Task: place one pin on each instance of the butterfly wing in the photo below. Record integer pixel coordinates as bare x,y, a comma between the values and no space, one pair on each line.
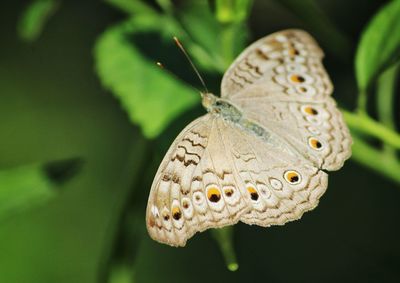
280,83
285,62
187,195
281,184
216,174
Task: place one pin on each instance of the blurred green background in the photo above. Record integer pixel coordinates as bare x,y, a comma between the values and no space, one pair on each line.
86,117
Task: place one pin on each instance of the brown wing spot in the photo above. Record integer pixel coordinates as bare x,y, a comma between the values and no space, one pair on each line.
185,204
303,89
175,179
166,216
176,213
152,222
228,192
213,194
253,193
262,54
297,79
166,178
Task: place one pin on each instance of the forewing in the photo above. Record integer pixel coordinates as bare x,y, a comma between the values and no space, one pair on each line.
189,191
286,62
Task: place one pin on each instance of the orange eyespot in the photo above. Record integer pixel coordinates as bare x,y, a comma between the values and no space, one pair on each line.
293,52
297,79
311,111
315,144
292,177
176,213
228,192
213,194
253,193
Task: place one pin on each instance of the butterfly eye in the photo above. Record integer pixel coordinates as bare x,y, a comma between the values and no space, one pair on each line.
315,144
176,213
292,177
253,193
213,194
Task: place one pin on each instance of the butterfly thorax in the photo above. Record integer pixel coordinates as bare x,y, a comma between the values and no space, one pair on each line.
221,107
231,113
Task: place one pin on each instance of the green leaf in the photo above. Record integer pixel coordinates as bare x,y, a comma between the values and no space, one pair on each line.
30,185
220,42
379,46
152,97
34,18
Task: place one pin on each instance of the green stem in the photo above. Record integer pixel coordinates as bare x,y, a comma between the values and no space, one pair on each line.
385,100
136,157
232,15
362,101
227,39
368,126
374,159
224,238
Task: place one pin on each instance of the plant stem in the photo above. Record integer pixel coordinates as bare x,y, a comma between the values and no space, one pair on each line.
224,238
385,100
227,40
372,158
366,125
362,103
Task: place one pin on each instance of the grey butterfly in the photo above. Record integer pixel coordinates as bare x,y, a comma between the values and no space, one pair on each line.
260,153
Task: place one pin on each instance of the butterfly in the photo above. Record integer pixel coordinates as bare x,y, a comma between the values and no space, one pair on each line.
261,153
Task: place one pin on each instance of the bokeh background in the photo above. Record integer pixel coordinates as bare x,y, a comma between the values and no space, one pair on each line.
83,129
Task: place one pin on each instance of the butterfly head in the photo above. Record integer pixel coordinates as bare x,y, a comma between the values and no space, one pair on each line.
208,100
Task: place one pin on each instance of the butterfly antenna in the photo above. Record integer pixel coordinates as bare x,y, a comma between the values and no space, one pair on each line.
179,44
161,65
